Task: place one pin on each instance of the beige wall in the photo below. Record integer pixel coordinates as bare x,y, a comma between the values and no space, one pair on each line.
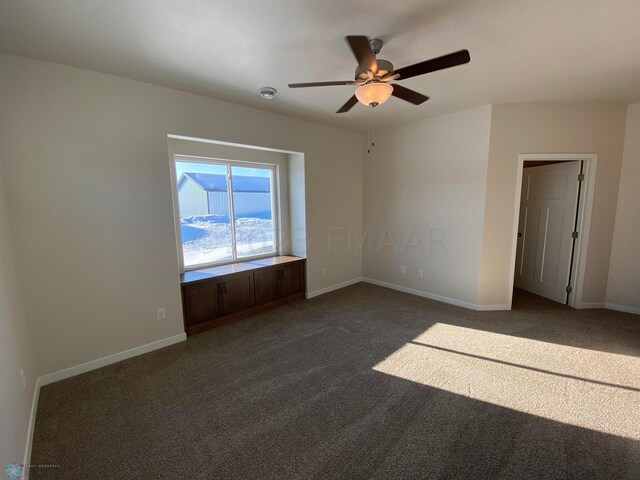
549,128
424,190
90,200
15,347
87,182
623,289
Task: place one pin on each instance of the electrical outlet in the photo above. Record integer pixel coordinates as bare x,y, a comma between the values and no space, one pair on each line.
23,379
160,314
420,273
323,271
403,269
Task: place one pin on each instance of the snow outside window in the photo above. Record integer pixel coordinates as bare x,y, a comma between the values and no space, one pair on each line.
227,211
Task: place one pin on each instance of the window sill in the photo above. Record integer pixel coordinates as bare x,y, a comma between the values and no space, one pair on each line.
208,273
203,266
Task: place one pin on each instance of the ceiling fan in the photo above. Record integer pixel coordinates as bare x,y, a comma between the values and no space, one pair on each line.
373,76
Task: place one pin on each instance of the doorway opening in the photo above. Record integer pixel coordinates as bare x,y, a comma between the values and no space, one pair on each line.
554,198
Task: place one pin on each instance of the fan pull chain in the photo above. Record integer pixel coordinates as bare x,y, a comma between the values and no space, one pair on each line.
369,135
373,129
371,132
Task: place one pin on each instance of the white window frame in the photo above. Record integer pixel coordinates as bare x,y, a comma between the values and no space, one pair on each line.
275,217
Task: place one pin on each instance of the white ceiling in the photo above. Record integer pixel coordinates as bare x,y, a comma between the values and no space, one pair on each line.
521,50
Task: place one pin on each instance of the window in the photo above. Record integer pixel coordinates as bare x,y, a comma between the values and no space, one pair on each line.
226,209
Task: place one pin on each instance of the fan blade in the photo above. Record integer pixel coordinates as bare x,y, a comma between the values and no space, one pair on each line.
322,84
362,50
433,65
408,95
347,106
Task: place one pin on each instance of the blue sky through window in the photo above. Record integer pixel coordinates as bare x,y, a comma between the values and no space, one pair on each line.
194,167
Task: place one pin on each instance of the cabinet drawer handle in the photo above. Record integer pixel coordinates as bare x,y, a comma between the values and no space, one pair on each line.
224,286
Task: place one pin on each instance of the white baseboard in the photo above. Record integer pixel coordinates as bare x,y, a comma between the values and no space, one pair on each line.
31,427
333,287
83,368
433,296
622,308
590,305
492,308
108,360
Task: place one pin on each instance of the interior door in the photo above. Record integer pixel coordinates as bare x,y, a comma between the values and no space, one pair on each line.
548,208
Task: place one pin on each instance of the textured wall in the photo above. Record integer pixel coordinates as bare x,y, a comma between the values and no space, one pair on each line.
15,346
423,204
623,289
91,205
549,128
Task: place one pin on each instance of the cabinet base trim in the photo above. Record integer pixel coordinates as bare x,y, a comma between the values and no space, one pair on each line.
218,322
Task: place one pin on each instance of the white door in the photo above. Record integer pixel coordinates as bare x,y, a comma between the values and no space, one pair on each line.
547,219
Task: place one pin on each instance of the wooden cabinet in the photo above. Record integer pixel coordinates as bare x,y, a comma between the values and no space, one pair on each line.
275,283
266,285
201,302
237,292
218,295
292,279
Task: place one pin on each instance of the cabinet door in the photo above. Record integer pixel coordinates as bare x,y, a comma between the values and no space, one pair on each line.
266,285
237,292
291,279
201,302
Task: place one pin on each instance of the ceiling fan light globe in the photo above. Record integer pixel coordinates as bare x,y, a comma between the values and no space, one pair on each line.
374,94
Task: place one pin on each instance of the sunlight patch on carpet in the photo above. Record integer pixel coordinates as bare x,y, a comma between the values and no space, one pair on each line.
581,387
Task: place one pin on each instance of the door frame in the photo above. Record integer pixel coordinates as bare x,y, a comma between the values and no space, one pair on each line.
585,208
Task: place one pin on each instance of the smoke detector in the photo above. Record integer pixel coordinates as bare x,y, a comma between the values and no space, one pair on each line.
267,92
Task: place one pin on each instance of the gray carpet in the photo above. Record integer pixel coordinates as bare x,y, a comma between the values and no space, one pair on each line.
364,382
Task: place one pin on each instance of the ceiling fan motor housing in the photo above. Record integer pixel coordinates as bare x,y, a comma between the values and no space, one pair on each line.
384,67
